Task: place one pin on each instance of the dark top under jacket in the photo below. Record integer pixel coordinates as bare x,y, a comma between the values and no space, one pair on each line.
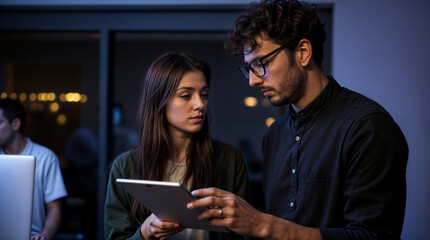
338,165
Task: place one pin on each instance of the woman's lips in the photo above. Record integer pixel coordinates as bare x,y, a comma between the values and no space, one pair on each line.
197,119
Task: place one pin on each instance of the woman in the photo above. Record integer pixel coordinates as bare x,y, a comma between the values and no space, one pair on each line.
174,145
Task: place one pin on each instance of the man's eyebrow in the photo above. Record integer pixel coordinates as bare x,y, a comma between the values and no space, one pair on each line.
255,58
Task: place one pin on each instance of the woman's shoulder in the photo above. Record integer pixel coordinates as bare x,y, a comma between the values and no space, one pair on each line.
124,161
222,148
219,145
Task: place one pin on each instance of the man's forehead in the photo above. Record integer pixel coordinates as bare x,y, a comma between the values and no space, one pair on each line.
249,46
263,47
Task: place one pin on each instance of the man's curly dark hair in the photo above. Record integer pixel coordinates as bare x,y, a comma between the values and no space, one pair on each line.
285,22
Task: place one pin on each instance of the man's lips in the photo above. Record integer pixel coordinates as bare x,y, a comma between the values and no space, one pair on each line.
265,92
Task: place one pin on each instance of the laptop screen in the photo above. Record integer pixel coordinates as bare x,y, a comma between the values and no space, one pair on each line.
16,191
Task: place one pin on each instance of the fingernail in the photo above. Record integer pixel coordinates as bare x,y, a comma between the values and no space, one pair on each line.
189,205
194,192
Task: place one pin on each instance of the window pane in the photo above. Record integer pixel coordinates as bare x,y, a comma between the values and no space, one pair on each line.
55,76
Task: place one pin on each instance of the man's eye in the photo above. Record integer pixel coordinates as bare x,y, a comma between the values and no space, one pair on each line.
266,62
257,64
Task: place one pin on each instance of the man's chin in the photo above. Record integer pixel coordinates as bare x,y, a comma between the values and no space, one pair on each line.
278,101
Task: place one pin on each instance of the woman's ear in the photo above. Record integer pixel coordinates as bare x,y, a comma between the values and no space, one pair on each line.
305,52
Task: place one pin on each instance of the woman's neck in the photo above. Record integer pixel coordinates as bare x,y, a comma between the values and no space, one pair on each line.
179,148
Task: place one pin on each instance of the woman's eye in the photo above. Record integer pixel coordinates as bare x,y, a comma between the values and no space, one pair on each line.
186,97
204,96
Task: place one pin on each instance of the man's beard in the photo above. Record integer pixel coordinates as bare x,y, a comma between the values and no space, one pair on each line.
292,88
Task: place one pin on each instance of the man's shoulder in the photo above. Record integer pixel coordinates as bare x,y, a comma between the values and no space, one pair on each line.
358,104
342,100
38,150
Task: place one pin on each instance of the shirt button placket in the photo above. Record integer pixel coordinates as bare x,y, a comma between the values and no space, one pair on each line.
293,172
293,178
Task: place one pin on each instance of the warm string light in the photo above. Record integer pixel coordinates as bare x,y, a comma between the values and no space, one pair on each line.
253,102
61,119
46,97
37,101
250,101
74,97
269,121
54,107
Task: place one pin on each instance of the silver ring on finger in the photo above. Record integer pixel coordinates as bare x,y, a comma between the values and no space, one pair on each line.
220,213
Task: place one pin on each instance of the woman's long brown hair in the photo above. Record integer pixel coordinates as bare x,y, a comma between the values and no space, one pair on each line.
154,148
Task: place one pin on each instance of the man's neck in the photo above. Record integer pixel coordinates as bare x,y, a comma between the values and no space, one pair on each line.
16,146
315,84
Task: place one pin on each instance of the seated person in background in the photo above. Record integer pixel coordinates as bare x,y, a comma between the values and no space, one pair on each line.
48,186
174,145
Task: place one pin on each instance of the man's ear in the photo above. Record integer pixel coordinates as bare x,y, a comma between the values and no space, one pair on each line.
305,52
16,124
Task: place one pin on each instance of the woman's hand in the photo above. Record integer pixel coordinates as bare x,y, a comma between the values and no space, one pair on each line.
154,227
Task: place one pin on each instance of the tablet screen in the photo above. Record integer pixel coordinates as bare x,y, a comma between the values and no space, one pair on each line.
168,201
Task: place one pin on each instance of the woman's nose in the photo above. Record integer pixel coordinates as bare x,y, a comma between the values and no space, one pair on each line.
198,103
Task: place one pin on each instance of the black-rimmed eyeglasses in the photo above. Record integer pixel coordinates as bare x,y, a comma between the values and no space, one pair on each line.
257,65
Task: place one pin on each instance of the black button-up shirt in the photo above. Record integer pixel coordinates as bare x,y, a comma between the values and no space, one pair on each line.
338,165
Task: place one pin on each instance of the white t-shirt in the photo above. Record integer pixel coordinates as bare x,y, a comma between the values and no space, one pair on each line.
48,184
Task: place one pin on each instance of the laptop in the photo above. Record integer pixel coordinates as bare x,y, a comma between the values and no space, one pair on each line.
16,191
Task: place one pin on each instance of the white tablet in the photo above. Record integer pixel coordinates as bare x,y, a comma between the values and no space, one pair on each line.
168,201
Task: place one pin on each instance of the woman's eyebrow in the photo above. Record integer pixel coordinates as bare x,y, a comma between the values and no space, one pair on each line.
191,88
185,88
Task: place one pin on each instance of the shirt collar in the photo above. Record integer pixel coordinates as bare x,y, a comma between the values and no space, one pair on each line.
319,103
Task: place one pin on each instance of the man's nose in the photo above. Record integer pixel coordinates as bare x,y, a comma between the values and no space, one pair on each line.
254,80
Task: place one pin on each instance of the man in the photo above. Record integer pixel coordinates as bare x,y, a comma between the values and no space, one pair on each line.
49,187
334,164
